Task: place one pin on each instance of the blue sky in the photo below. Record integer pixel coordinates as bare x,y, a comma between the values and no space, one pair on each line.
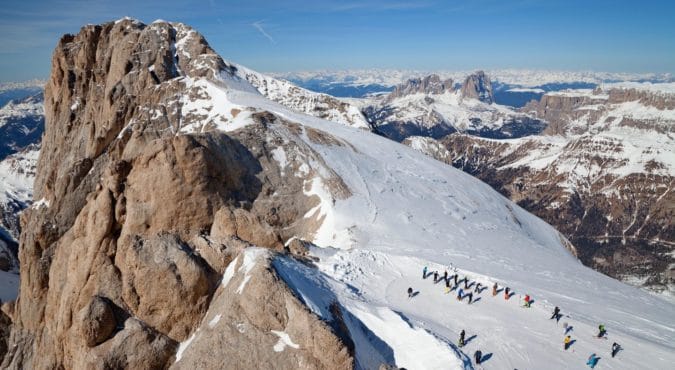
601,35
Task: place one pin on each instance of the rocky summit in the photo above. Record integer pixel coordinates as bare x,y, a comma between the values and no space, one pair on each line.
110,276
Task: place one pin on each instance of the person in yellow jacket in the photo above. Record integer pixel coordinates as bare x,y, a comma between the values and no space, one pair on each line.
568,342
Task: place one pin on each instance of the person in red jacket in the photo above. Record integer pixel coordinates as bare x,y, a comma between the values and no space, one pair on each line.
527,300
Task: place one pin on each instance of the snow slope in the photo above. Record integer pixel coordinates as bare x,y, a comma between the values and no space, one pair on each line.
407,211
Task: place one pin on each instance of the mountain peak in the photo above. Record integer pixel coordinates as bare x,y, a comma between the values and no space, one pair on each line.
478,86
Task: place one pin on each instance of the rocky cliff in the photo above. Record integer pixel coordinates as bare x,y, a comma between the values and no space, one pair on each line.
123,254
430,84
478,86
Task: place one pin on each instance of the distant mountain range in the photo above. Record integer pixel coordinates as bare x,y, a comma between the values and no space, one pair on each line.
511,87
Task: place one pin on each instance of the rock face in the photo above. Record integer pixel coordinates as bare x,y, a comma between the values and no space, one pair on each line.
604,177
122,255
431,84
478,86
255,321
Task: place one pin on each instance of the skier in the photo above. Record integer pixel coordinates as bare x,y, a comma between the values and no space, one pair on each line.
601,331
615,349
478,356
556,312
466,282
435,277
567,341
470,295
447,286
461,338
410,292
506,292
424,272
445,275
494,290
527,301
592,360
460,294
456,276
478,286
567,328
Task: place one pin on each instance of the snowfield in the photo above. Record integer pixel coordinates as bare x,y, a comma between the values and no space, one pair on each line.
408,211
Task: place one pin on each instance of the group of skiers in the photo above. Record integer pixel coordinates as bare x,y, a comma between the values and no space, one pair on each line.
527,302
568,341
462,292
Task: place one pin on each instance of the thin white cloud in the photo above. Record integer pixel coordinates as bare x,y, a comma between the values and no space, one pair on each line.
259,26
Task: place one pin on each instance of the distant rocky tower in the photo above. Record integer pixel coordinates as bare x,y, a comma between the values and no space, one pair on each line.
124,256
478,86
430,84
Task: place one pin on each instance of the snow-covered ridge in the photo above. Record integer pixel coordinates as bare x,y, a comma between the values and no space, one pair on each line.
658,88
305,101
32,106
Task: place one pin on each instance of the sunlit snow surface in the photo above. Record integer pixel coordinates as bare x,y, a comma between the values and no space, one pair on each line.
408,211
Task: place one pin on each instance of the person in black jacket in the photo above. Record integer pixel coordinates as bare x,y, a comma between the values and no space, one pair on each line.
461,338
556,312
615,349
478,356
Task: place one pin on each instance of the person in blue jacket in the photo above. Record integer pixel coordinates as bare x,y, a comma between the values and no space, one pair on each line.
424,272
460,294
592,360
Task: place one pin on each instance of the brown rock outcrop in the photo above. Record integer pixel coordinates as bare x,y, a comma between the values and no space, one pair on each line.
255,322
123,262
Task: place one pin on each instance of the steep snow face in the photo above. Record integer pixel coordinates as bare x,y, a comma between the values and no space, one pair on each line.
305,101
406,211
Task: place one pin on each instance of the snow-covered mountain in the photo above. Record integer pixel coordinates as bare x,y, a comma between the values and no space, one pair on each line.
302,100
21,127
170,251
440,109
21,124
602,173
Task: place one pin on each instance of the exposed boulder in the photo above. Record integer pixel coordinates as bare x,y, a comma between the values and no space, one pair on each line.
97,321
